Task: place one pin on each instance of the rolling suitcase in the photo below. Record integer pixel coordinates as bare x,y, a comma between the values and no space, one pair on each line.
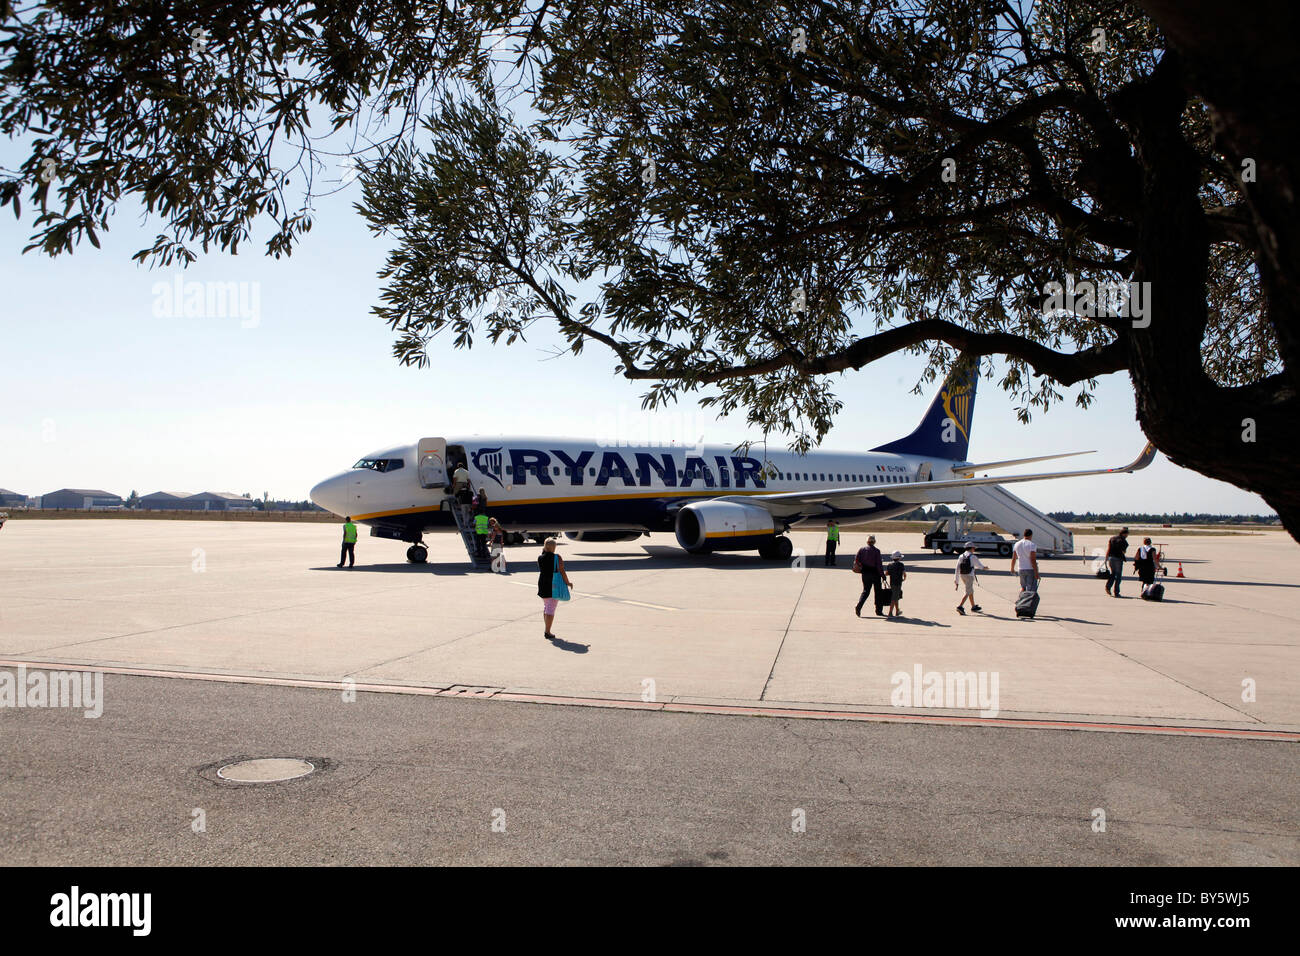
1027,604
1153,592
884,598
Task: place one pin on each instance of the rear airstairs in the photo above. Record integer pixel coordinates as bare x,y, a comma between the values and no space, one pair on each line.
1013,515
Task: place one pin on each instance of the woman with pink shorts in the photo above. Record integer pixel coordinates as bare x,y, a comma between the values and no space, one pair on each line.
548,563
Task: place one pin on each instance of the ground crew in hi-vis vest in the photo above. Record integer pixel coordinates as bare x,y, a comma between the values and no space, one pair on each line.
480,534
349,552
832,542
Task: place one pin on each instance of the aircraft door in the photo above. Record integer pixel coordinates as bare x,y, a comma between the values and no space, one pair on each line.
431,460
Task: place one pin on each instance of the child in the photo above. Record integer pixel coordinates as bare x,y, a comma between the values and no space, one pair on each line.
964,576
897,575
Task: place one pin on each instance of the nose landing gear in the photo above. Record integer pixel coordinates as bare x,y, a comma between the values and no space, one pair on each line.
417,554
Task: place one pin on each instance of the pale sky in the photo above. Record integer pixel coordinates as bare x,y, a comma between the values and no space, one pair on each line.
102,389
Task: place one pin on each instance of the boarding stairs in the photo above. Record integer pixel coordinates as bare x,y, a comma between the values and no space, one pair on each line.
1013,515
464,516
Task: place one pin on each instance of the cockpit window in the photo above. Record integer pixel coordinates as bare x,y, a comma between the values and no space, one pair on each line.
380,464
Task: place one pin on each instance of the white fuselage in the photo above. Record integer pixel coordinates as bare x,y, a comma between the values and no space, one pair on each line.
568,484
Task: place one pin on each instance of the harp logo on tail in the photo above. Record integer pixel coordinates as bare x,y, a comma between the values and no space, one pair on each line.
956,405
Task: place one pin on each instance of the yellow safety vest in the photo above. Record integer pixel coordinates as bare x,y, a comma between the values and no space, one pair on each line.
833,533
480,524
349,532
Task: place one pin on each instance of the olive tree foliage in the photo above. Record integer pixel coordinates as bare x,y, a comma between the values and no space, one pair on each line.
741,200
767,193
216,118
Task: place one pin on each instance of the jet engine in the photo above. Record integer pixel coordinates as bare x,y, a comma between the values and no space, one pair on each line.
725,526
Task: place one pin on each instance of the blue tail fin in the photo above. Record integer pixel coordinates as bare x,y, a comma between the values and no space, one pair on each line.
944,432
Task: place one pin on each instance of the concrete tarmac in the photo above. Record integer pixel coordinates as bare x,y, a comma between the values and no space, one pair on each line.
1221,653
426,780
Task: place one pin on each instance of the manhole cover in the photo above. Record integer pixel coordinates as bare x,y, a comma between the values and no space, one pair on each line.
265,770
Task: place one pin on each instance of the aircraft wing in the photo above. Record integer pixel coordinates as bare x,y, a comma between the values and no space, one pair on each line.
985,465
920,492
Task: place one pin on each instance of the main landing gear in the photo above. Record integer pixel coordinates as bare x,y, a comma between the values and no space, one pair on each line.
776,549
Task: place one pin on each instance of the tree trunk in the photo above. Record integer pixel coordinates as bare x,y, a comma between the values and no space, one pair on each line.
1243,435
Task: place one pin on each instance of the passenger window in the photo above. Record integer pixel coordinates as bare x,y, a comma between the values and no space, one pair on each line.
591,472
555,470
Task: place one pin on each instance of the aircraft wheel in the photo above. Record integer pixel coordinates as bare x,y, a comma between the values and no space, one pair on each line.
784,548
417,554
767,550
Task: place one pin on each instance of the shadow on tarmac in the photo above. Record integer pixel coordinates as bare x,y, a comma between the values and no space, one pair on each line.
916,621
571,647
405,568
658,557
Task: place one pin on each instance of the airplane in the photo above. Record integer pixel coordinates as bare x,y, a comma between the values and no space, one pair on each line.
712,497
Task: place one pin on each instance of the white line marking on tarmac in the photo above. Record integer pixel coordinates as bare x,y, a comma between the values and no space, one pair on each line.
606,597
755,708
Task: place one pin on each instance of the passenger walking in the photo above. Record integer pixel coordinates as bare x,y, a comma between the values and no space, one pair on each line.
1115,549
897,575
497,546
1024,561
964,577
832,542
1146,562
869,565
349,552
460,483
550,568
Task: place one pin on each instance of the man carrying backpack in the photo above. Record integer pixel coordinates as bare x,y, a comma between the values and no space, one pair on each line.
964,576
1146,562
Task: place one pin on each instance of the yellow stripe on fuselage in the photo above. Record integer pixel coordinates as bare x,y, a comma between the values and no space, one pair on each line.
508,503
735,534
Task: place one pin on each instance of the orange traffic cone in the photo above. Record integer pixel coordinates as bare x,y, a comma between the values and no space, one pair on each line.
1180,571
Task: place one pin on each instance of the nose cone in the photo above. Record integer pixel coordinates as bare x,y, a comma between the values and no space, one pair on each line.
331,494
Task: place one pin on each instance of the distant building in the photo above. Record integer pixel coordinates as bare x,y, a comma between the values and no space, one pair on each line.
81,498
163,500
216,501
11,499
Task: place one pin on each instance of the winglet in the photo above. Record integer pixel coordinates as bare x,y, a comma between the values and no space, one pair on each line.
1142,460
